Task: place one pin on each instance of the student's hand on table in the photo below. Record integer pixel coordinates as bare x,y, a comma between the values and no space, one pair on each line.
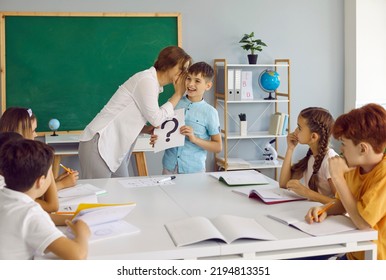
61,176
188,131
297,187
66,180
292,140
312,215
79,228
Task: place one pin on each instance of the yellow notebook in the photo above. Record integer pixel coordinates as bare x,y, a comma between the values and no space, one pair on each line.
105,220
84,206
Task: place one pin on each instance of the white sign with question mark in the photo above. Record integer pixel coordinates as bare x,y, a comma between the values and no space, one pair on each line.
169,135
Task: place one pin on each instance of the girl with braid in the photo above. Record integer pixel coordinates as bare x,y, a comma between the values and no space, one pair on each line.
310,177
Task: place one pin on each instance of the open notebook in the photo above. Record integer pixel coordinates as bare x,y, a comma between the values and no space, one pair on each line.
270,196
331,225
105,220
240,177
70,198
226,228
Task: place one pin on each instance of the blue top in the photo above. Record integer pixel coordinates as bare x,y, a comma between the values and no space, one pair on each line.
203,118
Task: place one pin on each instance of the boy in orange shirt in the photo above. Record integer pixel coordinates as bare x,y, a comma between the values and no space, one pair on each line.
360,175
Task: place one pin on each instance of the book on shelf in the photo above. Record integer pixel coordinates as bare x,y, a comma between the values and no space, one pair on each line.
270,196
240,177
278,123
285,124
104,220
274,124
226,228
331,225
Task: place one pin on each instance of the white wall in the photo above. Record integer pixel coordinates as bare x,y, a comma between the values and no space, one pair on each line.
310,33
365,45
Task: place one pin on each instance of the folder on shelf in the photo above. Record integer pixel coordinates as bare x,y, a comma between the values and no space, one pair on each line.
231,85
237,84
246,86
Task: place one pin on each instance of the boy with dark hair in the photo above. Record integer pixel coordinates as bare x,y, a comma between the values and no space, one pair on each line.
4,138
26,230
360,175
202,126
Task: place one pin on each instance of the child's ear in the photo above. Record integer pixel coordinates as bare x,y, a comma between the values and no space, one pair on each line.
209,85
40,181
364,148
314,137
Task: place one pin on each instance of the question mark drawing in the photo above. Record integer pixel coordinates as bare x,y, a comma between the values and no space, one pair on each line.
175,121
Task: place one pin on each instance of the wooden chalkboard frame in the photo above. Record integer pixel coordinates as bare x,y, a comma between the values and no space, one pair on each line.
42,127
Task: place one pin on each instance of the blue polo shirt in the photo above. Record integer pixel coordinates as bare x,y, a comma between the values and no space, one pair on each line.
203,118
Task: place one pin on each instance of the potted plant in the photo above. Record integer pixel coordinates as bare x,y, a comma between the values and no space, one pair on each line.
249,43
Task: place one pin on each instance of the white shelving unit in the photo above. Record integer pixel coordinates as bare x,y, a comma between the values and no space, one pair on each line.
258,120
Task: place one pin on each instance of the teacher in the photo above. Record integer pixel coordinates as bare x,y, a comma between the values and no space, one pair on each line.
107,141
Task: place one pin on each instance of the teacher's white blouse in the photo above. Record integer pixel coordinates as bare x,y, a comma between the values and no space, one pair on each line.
121,120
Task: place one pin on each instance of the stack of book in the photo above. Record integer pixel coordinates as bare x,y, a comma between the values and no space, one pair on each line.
278,124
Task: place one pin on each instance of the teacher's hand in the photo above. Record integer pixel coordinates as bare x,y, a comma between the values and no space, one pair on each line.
179,84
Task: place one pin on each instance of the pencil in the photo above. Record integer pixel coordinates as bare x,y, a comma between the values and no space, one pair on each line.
66,168
326,207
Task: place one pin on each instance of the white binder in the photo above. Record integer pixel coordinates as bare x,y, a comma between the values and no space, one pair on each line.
231,87
237,84
246,85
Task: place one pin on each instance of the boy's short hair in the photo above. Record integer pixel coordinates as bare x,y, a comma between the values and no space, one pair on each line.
22,162
365,124
9,136
202,68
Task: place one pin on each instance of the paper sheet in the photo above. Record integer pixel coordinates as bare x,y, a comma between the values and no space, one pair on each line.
168,133
80,190
145,182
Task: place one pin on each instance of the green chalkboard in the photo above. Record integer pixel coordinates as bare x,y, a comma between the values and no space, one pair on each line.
67,67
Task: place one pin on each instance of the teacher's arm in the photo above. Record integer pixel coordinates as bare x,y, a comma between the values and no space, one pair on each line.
146,97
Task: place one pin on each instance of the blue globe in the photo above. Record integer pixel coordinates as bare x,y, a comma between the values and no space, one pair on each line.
54,124
269,81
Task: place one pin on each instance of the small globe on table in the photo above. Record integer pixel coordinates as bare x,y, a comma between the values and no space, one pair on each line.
54,125
269,81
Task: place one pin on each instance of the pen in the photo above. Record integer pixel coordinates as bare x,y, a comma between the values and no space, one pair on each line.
166,179
66,168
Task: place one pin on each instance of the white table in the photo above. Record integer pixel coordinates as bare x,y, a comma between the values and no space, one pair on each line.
202,195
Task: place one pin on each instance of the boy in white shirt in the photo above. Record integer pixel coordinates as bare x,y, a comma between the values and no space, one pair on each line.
26,230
